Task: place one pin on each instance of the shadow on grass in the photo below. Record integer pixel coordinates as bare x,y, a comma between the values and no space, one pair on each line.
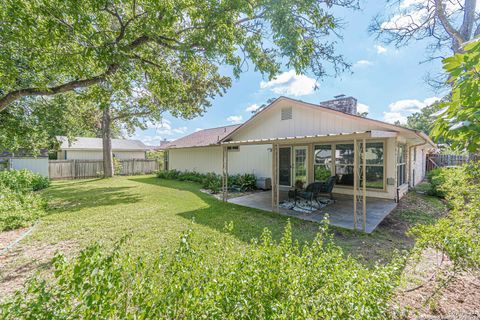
70,197
248,223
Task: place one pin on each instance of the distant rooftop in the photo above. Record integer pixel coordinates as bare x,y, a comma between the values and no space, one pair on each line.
82,143
202,138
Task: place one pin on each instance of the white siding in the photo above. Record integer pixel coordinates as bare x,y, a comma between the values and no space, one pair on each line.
305,121
37,165
417,169
256,159
98,155
203,160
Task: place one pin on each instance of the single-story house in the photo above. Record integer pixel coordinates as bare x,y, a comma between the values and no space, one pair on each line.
81,148
291,140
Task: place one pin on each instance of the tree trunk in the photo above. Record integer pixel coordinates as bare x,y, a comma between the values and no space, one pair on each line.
107,142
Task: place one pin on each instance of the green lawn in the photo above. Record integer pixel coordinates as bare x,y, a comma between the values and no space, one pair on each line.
155,212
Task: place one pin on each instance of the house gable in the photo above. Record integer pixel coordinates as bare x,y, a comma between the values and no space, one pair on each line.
292,118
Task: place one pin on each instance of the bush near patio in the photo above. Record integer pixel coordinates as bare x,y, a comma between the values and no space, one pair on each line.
212,181
270,280
458,234
20,205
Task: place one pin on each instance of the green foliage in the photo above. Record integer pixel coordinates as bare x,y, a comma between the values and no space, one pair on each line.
422,120
23,180
117,166
270,280
19,205
437,178
322,173
458,234
154,56
459,120
212,181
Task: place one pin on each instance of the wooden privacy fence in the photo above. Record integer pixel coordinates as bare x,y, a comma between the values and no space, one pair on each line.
79,169
448,160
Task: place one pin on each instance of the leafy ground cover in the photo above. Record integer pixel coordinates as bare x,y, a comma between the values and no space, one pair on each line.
155,212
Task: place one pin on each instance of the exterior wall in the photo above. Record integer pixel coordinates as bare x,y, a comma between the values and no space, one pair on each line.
255,159
305,121
417,164
98,155
125,155
202,160
37,165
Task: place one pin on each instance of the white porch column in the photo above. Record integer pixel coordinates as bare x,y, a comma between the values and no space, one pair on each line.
355,182
225,173
364,191
274,177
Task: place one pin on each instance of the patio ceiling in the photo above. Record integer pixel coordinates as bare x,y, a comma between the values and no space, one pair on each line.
314,138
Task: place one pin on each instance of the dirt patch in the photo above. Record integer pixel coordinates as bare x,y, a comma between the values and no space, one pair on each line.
23,261
432,291
7,237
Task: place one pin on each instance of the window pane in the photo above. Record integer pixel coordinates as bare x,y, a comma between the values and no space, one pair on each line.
344,175
401,153
300,164
322,173
344,154
374,153
374,177
323,155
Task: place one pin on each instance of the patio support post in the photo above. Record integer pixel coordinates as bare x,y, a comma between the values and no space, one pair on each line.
355,182
364,185
274,176
225,174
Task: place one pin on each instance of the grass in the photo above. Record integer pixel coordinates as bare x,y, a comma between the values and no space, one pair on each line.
155,212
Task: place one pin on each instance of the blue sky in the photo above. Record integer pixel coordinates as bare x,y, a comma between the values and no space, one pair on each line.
387,81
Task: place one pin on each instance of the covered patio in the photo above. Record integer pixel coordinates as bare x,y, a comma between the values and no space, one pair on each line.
339,213
354,211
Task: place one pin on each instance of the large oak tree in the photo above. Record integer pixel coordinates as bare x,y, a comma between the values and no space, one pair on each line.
168,52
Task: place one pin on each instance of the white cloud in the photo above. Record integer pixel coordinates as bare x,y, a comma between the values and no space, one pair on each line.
198,129
151,140
235,119
399,110
381,49
291,83
363,63
361,108
252,108
180,130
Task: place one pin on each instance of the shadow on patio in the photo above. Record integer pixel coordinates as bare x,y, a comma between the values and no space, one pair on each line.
340,213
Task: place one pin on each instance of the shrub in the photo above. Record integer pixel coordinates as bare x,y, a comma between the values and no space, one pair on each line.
458,234
211,181
270,280
19,205
437,178
19,209
23,180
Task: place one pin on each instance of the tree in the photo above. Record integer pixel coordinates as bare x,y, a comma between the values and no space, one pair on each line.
448,24
422,120
168,51
459,118
34,123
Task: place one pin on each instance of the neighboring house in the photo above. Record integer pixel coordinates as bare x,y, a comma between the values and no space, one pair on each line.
92,149
310,142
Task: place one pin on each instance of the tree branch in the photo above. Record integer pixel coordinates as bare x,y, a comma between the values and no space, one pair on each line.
468,19
457,37
69,86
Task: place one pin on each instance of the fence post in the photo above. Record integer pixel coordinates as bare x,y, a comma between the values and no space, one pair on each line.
74,168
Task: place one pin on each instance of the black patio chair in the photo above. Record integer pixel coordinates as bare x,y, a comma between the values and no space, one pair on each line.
327,186
311,192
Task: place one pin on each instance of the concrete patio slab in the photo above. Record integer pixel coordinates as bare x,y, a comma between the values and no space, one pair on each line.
340,213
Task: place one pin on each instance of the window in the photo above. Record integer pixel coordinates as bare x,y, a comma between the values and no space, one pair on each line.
374,168
322,164
344,164
401,165
287,113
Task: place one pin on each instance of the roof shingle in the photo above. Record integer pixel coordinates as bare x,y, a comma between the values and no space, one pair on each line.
202,138
96,144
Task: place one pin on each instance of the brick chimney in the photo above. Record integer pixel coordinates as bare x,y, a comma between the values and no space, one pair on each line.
342,103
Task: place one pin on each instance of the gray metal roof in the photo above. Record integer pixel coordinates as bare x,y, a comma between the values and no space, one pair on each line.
82,143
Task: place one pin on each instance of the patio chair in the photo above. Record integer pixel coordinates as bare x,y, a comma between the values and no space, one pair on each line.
311,192
327,186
